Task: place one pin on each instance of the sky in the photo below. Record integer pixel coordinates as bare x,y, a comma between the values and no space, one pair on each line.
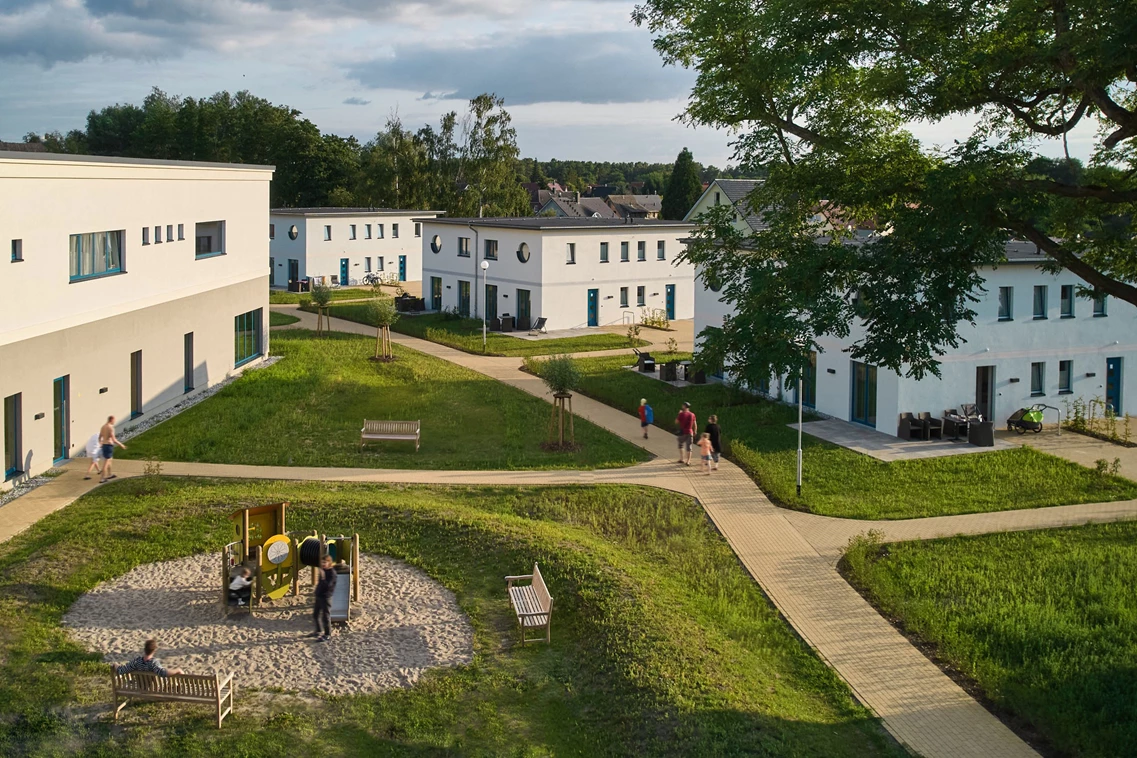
579,79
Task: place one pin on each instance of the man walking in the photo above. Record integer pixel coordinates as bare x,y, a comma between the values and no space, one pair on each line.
147,662
325,589
108,440
687,426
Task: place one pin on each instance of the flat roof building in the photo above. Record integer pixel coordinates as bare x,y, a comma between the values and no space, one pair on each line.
574,272
127,286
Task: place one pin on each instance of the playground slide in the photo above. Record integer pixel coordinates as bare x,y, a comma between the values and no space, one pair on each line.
341,599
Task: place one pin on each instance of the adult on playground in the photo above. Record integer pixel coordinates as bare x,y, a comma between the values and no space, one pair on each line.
647,416
325,589
108,440
687,425
147,662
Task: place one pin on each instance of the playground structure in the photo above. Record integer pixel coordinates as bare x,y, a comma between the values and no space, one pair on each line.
275,557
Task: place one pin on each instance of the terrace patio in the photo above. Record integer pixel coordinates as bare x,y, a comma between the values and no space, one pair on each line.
885,447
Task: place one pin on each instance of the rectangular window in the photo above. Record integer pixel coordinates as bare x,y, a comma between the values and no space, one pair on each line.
367,231
1037,379
17,251
327,232
1040,292
378,231
623,252
136,384
623,297
210,238
660,251
367,265
169,232
351,232
1099,305
246,337
463,247
1006,303
187,358
13,456
490,250
763,383
603,252
181,232
157,235
1065,377
379,263
718,201
96,254
570,252
641,296
641,251
1067,301
145,235
394,231
272,231
418,229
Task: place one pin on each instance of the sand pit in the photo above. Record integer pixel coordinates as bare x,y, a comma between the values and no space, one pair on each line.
406,623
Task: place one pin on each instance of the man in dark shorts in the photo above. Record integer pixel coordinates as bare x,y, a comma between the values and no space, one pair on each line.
325,589
687,426
107,440
147,662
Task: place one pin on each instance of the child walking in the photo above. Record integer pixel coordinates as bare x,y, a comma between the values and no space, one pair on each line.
706,448
715,434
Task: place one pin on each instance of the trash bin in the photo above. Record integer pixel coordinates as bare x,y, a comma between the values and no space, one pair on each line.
981,433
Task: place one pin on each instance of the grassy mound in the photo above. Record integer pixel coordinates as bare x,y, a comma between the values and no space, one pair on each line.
662,645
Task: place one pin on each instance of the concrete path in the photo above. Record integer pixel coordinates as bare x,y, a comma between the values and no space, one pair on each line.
1076,447
790,554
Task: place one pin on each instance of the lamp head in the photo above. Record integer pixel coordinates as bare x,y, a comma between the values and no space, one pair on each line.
485,265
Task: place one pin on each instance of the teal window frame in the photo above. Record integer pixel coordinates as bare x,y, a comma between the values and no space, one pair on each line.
85,253
247,337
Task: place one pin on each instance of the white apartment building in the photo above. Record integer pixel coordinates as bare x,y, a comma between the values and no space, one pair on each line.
574,272
345,244
1033,341
127,285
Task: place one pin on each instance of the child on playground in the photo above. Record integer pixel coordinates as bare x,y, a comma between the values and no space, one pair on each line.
241,586
706,449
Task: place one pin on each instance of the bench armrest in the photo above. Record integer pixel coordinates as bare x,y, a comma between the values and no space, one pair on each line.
512,579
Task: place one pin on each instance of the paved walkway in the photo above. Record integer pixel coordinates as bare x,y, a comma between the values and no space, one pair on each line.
1076,447
790,554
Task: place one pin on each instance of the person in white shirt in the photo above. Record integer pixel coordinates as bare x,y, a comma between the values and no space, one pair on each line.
241,586
95,453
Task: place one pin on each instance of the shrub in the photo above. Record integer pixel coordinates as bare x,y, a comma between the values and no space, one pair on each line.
655,317
321,294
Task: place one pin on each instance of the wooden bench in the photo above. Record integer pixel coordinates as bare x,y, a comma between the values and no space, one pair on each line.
178,688
389,430
532,603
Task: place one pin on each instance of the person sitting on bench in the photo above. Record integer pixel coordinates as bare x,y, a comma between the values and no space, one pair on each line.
241,587
147,662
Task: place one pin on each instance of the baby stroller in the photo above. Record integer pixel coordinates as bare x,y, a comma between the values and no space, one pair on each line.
1025,419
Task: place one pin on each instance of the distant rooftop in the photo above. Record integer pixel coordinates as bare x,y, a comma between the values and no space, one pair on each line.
559,222
23,147
27,155
348,211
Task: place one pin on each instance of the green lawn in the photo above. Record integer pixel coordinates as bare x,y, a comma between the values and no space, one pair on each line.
839,482
280,297
307,410
275,318
1045,622
662,644
466,334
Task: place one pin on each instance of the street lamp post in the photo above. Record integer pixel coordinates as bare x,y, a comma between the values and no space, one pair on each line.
485,281
799,415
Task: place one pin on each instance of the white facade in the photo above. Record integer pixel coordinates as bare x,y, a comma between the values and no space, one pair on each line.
565,277
127,285
329,242
1005,364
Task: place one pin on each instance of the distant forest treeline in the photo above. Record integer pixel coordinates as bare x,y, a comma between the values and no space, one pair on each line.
466,163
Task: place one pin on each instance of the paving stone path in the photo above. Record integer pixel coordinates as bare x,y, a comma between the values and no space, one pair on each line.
791,555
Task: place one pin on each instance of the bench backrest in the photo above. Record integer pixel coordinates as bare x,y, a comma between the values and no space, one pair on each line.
541,590
390,427
177,685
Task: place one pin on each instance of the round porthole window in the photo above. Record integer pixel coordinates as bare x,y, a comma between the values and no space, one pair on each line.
436,244
523,252
714,284
293,232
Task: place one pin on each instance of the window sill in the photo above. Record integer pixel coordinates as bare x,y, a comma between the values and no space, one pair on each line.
1038,394
247,360
1065,392
1040,318
1067,315
570,263
1100,315
10,475
89,277
603,261
202,256
17,260
463,255
134,416
1002,319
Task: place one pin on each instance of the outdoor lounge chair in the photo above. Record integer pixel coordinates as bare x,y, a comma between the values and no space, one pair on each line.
910,427
539,327
933,427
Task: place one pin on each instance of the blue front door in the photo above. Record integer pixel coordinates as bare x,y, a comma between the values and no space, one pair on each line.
1113,384
402,268
863,410
671,302
436,293
594,307
343,271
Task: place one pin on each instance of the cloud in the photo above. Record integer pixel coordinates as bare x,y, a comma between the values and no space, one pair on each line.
356,101
46,33
532,67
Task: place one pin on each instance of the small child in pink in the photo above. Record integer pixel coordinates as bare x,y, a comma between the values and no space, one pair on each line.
706,448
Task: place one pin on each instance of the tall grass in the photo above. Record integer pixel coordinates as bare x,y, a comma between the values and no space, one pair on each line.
1044,622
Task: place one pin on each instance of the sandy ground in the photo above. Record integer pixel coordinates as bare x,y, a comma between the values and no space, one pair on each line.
404,624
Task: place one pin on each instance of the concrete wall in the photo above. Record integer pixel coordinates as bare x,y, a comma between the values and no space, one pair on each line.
320,257
559,290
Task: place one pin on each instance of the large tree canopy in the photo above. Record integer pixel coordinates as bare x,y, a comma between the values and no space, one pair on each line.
819,93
